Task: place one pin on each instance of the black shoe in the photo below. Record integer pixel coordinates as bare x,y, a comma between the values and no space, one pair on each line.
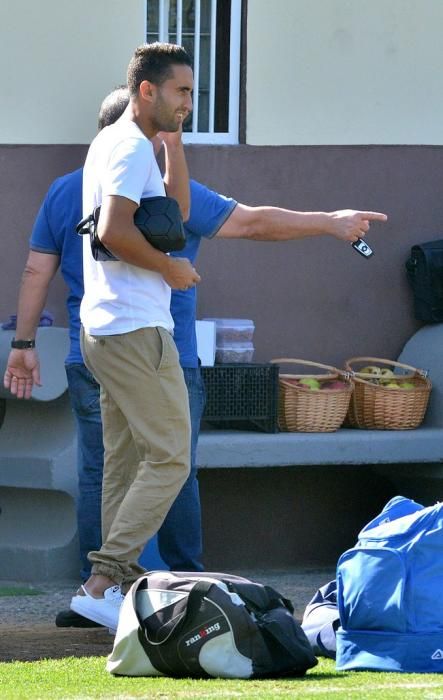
69,618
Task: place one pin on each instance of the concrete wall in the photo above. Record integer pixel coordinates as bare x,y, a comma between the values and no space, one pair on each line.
58,59
315,298
344,72
290,516
25,175
322,72
299,516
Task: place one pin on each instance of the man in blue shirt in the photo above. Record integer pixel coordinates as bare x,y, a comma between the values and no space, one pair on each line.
53,243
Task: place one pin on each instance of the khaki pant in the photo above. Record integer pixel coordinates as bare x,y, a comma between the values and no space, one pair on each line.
146,435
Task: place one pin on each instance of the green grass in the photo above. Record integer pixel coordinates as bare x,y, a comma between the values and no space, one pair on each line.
86,678
18,590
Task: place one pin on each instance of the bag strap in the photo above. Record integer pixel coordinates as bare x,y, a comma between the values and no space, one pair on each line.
82,227
195,596
274,599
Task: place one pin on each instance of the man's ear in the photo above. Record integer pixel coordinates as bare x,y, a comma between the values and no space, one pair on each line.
147,90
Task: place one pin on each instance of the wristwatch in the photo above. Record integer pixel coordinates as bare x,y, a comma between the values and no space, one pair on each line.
22,344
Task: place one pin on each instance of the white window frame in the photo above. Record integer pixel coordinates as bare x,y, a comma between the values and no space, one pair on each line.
210,137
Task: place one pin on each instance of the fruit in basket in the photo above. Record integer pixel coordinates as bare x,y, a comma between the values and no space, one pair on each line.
385,372
407,385
334,384
371,369
310,383
392,385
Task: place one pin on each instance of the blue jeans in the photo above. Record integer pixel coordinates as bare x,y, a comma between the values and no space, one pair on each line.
179,538
84,393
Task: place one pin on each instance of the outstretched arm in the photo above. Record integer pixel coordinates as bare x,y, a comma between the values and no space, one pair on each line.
23,366
275,224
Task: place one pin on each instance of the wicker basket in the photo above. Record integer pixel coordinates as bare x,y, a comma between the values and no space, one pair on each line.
304,410
377,407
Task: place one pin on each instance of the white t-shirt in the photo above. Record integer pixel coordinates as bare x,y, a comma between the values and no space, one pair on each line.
119,297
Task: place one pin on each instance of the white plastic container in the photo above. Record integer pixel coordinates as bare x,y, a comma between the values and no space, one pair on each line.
229,353
233,340
230,331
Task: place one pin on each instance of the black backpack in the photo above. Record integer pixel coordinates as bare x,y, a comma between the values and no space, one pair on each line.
424,270
201,624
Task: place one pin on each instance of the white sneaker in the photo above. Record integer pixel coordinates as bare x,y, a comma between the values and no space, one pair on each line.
104,610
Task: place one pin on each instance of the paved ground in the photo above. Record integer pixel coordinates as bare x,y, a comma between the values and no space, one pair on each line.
28,631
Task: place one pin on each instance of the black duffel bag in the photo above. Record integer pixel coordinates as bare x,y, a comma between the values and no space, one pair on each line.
157,218
202,624
424,270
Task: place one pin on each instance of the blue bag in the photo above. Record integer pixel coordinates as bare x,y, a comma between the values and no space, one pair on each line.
389,591
321,618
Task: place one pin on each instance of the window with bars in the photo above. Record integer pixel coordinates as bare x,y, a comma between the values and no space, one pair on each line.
210,31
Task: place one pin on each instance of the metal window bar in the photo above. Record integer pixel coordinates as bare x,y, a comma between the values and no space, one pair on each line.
212,66
234,67
234,77
179,21
196,66
163,20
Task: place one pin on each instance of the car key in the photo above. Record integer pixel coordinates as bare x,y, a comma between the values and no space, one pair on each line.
363,248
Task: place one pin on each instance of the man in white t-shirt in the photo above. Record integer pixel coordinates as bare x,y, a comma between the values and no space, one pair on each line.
126,328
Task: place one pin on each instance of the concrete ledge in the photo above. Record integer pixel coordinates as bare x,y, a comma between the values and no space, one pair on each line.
424,445
38,446
39,534
38,490
230,448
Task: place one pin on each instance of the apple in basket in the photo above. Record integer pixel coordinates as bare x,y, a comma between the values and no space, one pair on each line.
402,385
386,373
372,370
310,383
334,385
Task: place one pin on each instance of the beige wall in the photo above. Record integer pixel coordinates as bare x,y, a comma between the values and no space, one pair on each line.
344,72
318,71
58,58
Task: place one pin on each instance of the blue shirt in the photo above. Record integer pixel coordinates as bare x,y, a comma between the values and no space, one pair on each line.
209,211
54,233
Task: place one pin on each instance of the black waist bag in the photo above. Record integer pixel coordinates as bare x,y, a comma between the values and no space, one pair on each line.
207,625
424,270
157,218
